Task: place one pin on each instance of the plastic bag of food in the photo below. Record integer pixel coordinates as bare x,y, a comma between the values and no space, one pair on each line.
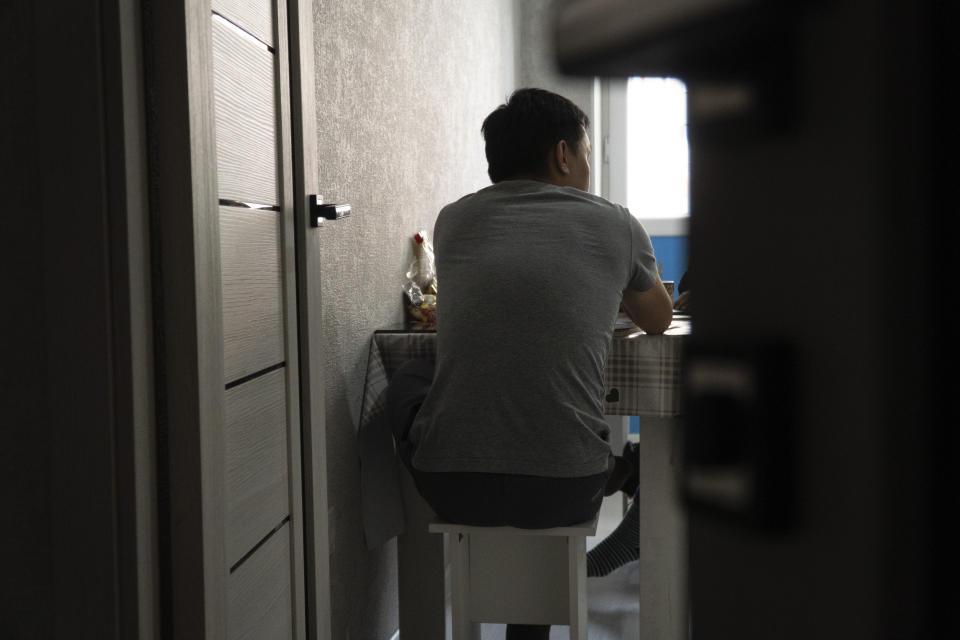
420,285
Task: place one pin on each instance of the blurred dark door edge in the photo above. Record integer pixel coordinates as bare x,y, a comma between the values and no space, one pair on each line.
819,224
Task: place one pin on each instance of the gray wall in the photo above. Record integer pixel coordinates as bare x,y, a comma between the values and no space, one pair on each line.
402,89
536,66
535,62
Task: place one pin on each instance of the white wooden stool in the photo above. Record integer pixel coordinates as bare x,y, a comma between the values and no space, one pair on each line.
517,576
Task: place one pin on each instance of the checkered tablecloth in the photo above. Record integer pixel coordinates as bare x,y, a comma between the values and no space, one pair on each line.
642,378
388,350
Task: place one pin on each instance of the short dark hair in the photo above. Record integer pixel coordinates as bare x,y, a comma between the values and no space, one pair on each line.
520,133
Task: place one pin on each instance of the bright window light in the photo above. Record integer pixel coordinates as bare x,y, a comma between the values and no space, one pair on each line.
658,162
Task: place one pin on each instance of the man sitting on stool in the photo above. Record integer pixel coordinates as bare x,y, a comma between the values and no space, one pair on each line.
508,429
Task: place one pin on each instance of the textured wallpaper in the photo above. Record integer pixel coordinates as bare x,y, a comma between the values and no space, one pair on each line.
402,88
534,57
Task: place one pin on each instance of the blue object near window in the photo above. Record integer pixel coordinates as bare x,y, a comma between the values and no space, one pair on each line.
671,251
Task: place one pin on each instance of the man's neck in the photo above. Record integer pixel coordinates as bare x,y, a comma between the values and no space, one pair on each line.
551,179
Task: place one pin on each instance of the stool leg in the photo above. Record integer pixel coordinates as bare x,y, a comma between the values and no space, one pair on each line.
578,587
463,628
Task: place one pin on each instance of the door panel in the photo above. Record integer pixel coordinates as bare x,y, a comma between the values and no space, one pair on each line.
263,509
258,593
219,115
252,291
256,462
244,87
253,16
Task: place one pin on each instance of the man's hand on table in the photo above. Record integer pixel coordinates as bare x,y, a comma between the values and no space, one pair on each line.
651,310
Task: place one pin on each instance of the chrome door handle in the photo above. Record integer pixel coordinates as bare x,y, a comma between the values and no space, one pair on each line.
320,211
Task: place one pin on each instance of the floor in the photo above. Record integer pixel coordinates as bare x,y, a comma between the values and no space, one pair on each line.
613,601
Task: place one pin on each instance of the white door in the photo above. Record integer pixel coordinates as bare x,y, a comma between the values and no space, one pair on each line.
226,217
262,463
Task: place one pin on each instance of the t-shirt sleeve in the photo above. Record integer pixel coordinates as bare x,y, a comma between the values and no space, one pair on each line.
643,269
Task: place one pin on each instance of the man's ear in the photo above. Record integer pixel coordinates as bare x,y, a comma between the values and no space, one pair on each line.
560,151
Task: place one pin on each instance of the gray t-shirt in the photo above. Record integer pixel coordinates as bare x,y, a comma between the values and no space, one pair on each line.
530,281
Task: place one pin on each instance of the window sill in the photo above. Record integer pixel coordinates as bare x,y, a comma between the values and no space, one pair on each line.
666,226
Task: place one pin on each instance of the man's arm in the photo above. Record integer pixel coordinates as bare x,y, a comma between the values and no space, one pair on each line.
651,310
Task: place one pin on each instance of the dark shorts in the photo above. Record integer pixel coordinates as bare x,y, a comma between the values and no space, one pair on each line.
487,499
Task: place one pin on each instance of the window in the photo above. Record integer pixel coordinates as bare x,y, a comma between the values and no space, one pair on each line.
646,154
658,164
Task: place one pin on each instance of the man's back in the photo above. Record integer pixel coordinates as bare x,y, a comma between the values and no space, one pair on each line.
531,276
509,428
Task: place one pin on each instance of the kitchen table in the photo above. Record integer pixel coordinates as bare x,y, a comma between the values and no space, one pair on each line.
642,378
